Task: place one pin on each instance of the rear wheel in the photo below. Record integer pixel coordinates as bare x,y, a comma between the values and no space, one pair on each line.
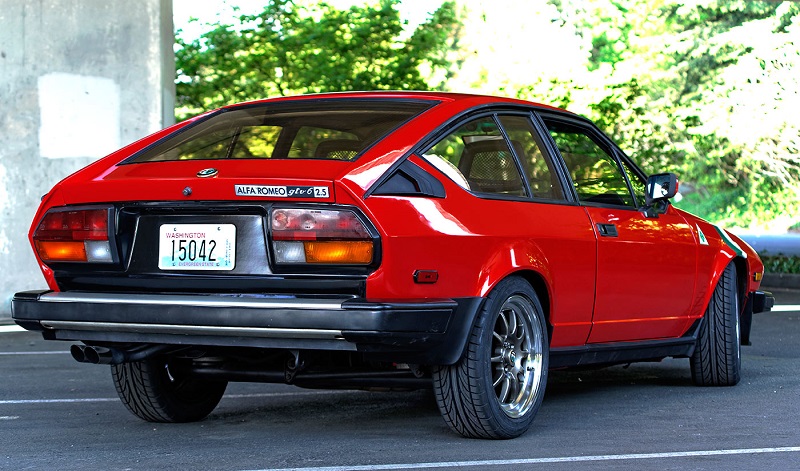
717,356
496,388
160,389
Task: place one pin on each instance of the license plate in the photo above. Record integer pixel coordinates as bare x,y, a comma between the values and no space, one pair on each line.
197,247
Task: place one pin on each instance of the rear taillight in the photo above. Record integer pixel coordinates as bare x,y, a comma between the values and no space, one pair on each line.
74,236
320,237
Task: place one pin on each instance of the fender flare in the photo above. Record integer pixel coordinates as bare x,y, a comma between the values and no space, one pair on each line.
520,258
728,251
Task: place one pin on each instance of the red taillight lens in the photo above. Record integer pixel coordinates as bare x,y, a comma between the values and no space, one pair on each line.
320,236
74,225
305,224
74,236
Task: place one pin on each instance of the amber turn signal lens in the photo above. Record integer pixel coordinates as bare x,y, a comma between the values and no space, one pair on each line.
61,251
334,251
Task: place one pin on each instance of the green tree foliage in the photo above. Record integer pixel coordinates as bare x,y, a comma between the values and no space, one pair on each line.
295,47
708,89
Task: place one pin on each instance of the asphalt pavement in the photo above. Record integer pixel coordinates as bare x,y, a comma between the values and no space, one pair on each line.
56,413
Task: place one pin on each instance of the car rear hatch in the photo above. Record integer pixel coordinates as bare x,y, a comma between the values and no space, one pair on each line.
203,226
224,247
212,180
240,201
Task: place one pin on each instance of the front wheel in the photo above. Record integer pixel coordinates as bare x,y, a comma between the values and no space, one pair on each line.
497,387
717,356
160,389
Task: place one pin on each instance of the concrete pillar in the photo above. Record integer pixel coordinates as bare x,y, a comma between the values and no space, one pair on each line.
78,79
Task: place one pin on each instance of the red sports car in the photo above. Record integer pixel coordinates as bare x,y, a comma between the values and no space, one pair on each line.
384,239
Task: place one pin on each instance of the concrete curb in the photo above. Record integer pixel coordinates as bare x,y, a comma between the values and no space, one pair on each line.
781,280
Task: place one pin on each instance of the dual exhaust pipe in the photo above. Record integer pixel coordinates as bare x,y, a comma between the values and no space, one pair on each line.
112,356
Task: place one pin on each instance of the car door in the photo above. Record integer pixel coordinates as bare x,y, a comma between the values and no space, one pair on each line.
646,264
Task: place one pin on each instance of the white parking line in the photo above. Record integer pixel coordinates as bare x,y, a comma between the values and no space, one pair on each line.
58,401
33,353
786,307
227,396
563,459
4,329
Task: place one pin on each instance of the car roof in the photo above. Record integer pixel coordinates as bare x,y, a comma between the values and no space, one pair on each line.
469,100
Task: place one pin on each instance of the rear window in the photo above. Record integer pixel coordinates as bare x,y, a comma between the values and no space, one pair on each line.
309,129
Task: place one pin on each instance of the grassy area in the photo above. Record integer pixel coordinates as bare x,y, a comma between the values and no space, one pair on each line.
781,264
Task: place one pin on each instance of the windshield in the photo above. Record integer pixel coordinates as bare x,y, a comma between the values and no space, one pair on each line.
332,129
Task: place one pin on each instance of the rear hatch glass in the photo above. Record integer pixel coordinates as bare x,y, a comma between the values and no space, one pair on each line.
329,129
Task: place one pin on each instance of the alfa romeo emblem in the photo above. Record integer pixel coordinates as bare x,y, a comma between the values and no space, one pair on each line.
207,172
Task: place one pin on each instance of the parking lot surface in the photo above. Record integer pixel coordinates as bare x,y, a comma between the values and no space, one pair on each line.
56,413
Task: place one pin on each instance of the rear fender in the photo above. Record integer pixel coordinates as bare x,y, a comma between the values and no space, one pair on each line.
510,257
521,258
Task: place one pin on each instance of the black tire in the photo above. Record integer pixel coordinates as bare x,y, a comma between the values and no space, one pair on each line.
160,389
717,356
496,388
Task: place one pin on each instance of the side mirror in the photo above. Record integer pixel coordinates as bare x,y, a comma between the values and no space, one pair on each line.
661,187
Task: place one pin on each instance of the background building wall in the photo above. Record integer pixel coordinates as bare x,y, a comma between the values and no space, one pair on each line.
78,79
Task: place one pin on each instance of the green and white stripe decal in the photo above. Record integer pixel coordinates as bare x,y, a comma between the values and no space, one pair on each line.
700,235
730,243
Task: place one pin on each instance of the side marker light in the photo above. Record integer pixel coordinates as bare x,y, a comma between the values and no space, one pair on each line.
426,276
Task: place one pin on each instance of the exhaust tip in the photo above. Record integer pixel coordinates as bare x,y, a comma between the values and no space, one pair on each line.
92,355
78,353
112,356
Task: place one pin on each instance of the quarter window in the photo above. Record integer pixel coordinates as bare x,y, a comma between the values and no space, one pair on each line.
477,157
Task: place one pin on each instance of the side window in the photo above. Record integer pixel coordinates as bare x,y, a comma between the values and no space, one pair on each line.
639,186
477,157
595,173
539,169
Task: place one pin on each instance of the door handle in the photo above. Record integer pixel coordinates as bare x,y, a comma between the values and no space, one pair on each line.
607,230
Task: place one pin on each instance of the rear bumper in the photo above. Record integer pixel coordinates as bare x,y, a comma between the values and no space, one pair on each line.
425,332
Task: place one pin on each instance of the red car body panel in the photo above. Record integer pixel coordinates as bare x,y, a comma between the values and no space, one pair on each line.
598,290
476,249
383,239
663,250
166,181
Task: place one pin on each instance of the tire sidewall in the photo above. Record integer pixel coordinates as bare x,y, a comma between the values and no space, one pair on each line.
717,358
157,389
509,426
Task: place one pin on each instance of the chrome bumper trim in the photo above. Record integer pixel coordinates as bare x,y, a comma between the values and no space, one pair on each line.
195,300
261,332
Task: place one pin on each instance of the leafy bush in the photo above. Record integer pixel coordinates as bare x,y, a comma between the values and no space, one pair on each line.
781,264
